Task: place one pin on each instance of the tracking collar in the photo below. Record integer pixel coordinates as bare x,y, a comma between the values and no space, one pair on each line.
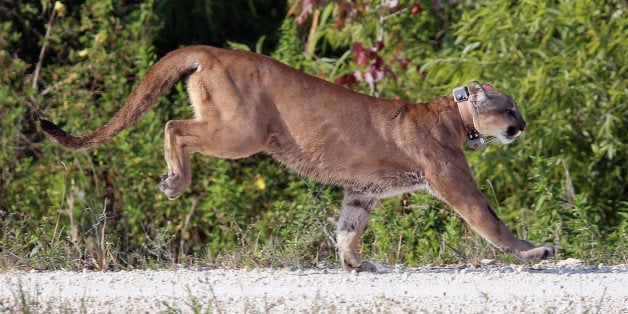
474,138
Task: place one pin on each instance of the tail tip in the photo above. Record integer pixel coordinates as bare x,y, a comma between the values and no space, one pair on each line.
56,134
50,127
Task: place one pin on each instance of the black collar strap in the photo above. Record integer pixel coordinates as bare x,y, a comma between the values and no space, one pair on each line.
474,138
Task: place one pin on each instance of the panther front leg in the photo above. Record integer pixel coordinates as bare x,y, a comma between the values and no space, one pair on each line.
356,210
461,192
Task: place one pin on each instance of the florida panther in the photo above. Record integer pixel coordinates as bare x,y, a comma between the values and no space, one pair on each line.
245,103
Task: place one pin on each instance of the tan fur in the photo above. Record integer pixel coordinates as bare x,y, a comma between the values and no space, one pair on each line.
245,103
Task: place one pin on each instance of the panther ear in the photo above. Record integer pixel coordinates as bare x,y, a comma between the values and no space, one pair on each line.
475,88
477,93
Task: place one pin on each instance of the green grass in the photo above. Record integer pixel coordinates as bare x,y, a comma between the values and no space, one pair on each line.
562,182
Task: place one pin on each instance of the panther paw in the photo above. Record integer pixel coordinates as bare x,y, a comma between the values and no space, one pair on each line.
172,185
540,252
361,267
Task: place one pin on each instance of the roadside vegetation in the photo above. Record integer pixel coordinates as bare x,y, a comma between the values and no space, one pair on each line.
75,62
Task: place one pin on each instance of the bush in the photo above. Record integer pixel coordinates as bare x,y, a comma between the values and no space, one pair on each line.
563,181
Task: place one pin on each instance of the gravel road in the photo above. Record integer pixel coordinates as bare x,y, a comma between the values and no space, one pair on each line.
550,287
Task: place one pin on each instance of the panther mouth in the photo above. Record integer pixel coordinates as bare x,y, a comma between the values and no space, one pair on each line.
510,134
506,137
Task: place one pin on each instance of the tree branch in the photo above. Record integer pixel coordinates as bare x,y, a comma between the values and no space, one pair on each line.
44,45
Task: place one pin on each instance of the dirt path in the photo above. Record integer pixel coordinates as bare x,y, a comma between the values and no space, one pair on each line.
552,287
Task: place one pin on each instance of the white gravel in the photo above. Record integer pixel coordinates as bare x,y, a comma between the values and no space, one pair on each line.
549,287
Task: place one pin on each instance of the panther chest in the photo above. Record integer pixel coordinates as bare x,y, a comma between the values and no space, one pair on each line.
392,185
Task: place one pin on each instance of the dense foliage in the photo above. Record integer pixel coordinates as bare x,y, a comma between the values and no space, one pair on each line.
562,182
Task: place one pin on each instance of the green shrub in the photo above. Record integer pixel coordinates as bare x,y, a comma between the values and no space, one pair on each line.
562,182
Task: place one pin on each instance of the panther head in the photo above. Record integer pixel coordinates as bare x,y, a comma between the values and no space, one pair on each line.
495,113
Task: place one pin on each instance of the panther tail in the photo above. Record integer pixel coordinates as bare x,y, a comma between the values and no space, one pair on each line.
165,73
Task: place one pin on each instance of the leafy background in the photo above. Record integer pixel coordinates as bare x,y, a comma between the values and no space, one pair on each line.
75,62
